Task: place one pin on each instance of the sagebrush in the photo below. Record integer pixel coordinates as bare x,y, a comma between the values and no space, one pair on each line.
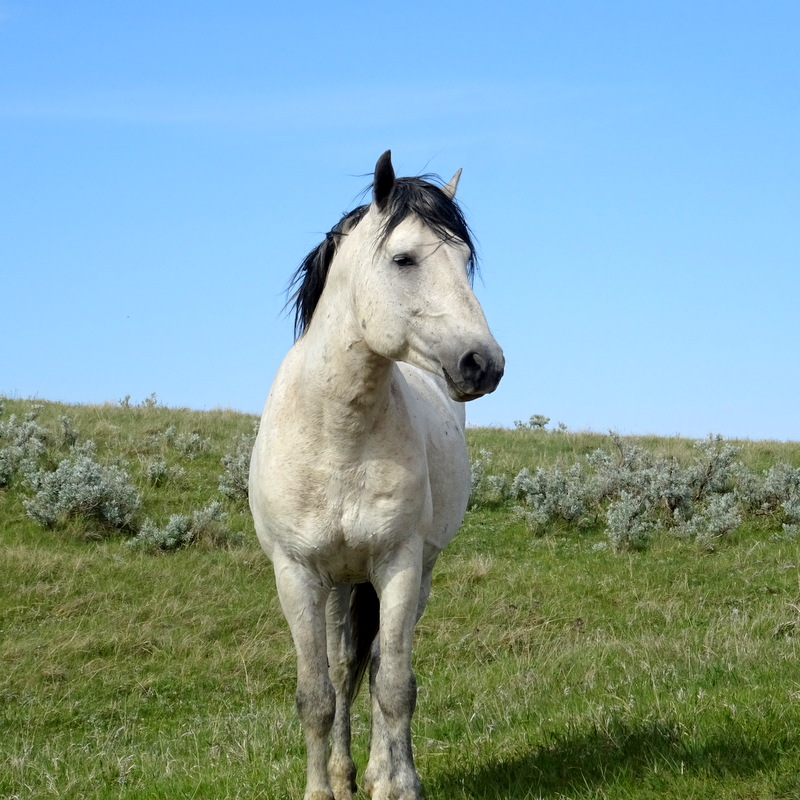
634,493
65,480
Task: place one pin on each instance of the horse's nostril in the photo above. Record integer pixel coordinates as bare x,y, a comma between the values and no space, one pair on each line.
479,371
472,365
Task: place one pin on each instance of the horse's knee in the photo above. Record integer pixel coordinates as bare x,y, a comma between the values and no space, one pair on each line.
395,689
316,705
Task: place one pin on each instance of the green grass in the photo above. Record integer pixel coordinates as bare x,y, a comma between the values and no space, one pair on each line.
583,673
549,667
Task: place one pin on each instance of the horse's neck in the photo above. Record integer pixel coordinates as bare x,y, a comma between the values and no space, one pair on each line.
347,384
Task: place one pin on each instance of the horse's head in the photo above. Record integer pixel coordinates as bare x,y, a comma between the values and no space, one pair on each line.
412,259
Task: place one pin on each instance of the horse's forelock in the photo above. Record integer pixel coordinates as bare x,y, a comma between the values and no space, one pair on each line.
429,202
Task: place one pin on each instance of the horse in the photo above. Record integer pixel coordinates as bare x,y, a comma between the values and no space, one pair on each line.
359,475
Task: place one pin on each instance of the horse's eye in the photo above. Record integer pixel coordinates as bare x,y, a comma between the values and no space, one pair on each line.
404,260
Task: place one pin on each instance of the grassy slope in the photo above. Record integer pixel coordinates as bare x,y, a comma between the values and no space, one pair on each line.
547,667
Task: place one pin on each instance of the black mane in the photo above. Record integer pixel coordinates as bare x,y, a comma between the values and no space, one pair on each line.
415,196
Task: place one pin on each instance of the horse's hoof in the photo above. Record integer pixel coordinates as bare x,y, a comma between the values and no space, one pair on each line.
342,775
344,791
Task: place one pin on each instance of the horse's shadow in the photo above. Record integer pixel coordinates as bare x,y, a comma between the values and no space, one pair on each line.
657,753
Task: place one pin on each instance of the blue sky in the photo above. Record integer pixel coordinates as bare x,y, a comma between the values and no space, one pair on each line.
631,172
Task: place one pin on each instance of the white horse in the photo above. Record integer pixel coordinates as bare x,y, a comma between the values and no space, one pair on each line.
359,475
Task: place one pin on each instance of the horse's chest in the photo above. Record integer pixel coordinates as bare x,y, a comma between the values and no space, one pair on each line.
376,500
352,516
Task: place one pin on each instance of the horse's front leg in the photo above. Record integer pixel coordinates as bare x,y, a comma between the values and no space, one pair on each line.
341,667
303,597
390,774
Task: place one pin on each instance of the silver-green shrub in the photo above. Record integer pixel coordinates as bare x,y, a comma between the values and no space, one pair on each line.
234,480
630,521
69,436
748,489
165,438
712,470
782,488
635,493
537,422
485,488
718,516
82,487
547,495
791,506
767,495
649,492
159,473
188,445
175,534
191,445
205,527
477,472
22,445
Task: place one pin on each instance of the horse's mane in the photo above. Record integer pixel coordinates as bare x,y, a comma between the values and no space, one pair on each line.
415,196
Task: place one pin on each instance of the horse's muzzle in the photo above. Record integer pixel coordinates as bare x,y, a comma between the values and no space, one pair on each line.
477,372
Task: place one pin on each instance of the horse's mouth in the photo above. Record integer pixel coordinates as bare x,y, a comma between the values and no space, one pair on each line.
457,394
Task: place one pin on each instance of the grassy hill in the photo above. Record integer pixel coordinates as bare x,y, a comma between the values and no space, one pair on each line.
553,661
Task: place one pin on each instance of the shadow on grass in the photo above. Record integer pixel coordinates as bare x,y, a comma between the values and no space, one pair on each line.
653,755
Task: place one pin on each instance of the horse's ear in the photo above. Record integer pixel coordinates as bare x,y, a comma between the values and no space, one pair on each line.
384,180
450,188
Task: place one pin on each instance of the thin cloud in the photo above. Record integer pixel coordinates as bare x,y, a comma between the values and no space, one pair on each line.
354,107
